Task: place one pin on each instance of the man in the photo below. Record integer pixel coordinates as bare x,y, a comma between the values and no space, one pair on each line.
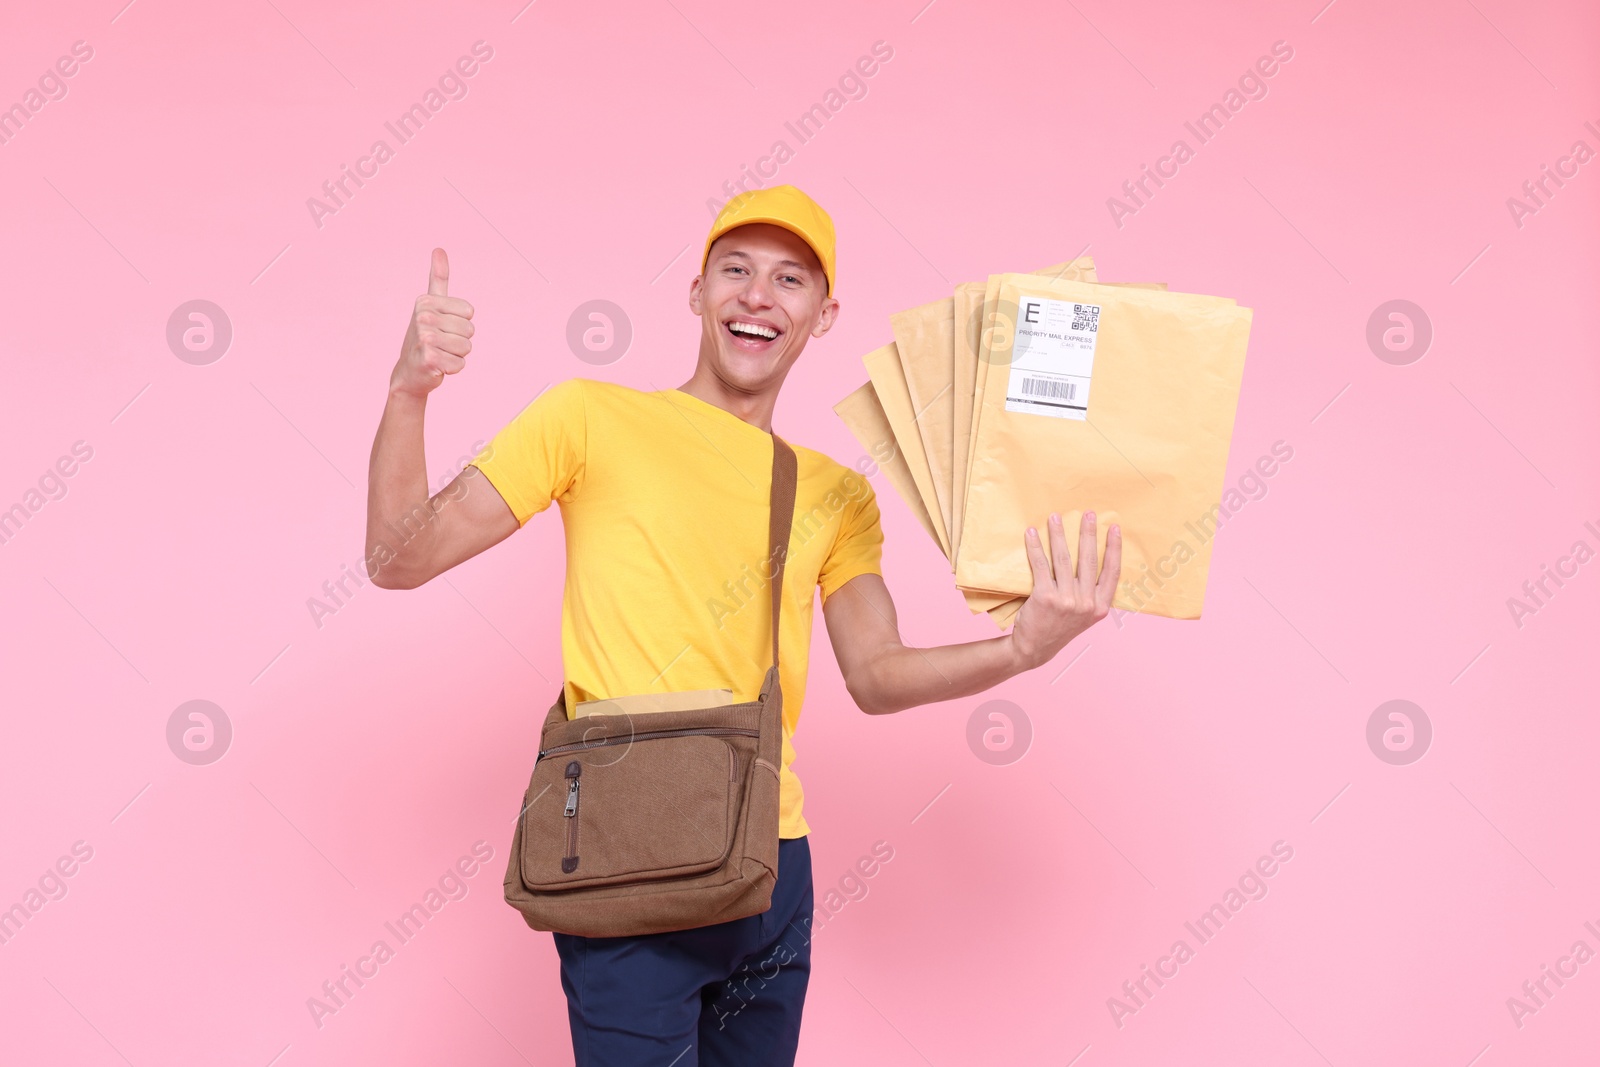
664,502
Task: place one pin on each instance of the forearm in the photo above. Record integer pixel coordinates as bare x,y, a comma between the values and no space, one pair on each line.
901,677
883,675
400,520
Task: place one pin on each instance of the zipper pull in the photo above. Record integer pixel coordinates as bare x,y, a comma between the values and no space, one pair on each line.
574,768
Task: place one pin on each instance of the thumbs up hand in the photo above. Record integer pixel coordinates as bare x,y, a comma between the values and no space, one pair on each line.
438,338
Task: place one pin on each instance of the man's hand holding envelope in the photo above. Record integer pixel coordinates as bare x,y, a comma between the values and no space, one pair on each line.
1066,599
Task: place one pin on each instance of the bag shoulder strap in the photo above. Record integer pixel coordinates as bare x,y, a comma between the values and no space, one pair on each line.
781,518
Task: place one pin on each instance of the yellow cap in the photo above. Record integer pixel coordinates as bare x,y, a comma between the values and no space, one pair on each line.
781,205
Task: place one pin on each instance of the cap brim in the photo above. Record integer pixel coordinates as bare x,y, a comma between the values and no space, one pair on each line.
771,221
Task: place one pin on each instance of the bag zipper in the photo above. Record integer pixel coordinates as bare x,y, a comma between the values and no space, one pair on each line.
569,862
648,735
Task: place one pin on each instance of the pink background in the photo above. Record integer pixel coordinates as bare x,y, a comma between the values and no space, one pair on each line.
368,754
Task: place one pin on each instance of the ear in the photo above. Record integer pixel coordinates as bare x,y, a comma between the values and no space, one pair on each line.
828,316
695,291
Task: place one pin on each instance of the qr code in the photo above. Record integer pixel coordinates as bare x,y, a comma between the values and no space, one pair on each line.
1086,317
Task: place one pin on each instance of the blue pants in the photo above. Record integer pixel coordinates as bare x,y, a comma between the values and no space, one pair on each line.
725,995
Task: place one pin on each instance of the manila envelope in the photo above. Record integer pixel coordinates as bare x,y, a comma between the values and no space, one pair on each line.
972,302
992,320
863,413
940,393
892,384
691,700
1111,398
925,338
889,383
982,600
967,304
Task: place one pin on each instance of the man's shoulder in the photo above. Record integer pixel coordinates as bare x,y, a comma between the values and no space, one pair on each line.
595,398
827,474
594,389
810,459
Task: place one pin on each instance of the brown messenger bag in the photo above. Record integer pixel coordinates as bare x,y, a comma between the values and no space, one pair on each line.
640,824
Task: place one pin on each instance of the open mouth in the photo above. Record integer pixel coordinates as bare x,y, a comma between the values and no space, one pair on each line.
752,336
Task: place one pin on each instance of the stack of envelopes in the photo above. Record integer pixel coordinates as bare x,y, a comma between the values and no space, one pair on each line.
983,404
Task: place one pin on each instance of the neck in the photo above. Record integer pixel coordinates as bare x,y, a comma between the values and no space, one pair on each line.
753,407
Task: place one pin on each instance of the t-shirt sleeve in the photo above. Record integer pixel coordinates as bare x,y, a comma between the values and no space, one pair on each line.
858,548
539,456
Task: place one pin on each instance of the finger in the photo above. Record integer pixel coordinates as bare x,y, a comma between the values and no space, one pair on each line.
453,343
445,305
1037,560
456,324
1088,556
1105,590
1060,558
439,274
448,363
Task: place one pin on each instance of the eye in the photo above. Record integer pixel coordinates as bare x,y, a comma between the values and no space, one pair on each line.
794,279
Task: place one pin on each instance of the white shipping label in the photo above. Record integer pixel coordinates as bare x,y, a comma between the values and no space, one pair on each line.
1052,358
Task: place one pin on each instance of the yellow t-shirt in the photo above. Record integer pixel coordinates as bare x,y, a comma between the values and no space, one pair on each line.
664,502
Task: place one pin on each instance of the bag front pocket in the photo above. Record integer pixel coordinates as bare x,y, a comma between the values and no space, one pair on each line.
634,809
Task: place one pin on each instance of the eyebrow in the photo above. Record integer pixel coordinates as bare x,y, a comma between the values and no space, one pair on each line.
781,262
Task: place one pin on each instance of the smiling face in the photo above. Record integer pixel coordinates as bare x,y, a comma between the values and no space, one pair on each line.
763,294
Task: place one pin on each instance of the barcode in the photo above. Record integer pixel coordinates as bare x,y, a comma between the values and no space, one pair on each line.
1048,387
1086,317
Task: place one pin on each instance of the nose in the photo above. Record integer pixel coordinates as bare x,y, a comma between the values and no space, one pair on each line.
757,293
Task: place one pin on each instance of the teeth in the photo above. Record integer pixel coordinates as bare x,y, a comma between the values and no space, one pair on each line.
753,330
